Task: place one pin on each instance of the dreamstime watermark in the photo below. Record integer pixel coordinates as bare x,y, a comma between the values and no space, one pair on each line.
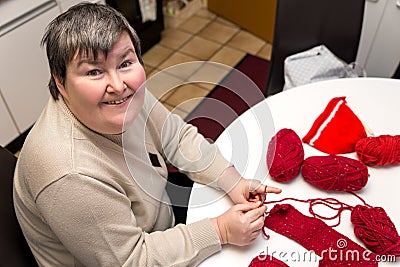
340,253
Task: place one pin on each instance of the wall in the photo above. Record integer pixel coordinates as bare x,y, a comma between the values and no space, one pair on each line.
256,16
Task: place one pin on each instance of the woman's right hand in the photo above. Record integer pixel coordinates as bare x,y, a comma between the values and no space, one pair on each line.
241,224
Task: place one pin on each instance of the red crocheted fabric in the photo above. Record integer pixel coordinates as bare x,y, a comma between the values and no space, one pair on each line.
266,261
313,234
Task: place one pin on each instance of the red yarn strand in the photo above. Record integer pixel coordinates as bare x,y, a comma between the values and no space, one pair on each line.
331,203
371,224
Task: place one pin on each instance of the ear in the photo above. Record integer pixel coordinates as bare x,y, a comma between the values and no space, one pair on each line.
60,86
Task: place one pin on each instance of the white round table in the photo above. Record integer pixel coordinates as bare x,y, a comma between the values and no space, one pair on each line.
374,100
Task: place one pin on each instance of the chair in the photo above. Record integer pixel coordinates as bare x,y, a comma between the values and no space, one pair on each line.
14,248
303,24
396,74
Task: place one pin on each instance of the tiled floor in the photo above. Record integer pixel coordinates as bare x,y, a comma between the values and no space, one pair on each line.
202,37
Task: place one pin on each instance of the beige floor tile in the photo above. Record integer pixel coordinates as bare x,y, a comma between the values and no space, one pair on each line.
183,114
186,96
218,32
148,70
265,51
174,38
207,86
247,42
204,3
190,105
156,55
152,72
161,83
180,65
205,13
200,48
228,56
205,36
194,24
226,22
211,73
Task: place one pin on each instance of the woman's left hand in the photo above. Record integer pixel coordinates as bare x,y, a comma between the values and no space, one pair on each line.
250,190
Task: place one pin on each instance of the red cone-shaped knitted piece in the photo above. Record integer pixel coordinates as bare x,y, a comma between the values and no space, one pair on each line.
336,130
285,155
375,229
266,261
379,151
335,173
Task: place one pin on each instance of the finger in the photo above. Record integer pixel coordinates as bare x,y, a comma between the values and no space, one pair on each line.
256,197
253,236
271,189
255,185
258,224
255,214
259,193
245,207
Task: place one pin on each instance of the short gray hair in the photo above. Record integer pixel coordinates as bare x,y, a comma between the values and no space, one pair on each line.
85,28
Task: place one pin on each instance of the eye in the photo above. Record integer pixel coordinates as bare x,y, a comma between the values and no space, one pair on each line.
125,64
93,72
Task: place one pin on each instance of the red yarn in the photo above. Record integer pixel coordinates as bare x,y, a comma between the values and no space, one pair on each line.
315,235
285,155
371,224
335,173
379,151
266,260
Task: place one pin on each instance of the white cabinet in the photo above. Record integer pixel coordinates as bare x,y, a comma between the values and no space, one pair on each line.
24,72
8,130
379,50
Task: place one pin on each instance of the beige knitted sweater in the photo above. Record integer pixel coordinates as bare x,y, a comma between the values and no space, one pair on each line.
82,200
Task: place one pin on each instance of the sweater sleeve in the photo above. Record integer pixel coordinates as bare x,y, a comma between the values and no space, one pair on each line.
184,147
96,224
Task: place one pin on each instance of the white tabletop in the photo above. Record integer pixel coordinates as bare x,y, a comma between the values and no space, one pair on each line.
375,101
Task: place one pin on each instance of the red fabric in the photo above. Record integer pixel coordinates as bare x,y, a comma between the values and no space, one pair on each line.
374,227
266,261
315,235
335,173
379,151
285,155
339,129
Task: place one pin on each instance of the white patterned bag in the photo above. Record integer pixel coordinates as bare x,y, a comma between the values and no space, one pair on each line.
317,64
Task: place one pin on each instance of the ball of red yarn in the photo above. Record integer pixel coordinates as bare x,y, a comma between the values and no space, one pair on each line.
334,172
285,155
379,151
373,226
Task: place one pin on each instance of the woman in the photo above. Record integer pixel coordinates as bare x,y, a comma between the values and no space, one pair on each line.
90,180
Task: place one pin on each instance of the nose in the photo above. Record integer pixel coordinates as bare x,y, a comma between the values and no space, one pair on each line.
115,84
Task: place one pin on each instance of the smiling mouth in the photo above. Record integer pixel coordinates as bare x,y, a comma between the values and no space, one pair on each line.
117,102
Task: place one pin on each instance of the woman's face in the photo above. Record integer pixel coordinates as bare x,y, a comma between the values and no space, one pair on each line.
98,92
